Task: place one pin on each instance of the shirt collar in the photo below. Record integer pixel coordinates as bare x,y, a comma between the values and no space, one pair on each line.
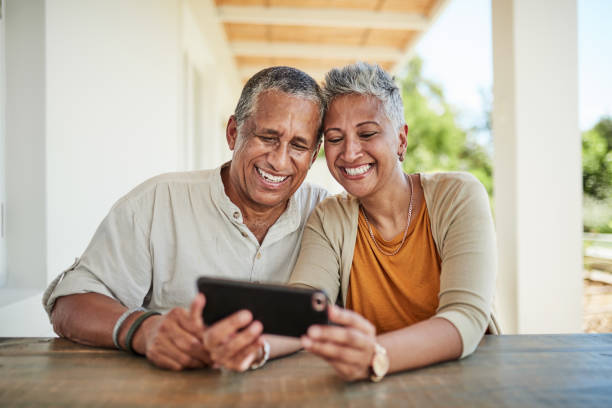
288,222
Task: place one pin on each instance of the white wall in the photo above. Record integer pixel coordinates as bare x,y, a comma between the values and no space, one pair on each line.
537,165
105,107
113,72
2,150
25,143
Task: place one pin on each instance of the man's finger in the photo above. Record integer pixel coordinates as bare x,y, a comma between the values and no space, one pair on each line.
164,350
237,343
223,330
248,356
195,311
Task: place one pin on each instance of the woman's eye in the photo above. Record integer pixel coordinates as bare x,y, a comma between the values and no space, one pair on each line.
367,135
333,140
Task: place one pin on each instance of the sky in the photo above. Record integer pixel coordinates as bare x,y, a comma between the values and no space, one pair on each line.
457,54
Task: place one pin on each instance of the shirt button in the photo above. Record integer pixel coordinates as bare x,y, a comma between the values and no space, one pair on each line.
244,234
236,214
258,255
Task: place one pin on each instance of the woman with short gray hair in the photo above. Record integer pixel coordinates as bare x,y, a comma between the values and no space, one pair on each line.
411,257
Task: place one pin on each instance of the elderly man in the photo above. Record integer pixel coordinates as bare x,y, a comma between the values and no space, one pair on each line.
243,220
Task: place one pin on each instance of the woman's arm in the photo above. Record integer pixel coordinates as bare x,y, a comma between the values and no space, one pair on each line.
424,343
350,348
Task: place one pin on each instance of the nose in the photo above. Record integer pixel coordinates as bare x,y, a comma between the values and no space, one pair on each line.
279,158
352,149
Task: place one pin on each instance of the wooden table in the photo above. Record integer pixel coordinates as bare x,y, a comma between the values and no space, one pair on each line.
505,371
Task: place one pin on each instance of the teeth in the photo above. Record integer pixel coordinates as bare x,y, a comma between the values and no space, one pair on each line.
355,171
270,177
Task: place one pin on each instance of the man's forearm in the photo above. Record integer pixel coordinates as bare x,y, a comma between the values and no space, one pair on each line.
281,345
87,318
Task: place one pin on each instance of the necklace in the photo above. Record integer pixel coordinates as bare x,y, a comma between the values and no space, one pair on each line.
405,229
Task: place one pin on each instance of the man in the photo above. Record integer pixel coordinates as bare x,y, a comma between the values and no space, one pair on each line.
243,220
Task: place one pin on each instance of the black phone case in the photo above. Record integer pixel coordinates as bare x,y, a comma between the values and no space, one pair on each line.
281,310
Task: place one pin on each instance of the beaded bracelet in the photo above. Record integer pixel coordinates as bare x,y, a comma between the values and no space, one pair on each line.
120,321
135,326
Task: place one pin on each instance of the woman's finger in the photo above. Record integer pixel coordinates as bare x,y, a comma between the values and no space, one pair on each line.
349,337
337,352
349,318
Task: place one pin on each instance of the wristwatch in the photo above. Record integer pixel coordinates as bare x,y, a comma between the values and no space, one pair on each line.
380,363
264,358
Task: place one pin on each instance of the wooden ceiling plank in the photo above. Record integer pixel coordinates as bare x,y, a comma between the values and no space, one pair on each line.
322,17
436,7
322,51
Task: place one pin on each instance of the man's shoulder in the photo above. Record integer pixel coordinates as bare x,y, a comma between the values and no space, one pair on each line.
173,181
309,195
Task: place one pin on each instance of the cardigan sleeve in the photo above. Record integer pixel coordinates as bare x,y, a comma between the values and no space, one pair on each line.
318,264
466,243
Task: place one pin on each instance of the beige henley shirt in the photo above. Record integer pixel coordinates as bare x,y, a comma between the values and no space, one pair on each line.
159,238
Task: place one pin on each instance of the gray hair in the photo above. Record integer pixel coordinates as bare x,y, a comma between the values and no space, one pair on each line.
365,79
289,80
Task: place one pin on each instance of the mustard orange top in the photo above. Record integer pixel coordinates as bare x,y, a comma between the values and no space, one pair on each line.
397,291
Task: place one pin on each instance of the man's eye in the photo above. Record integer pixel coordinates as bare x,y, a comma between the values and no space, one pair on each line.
267,139
300,147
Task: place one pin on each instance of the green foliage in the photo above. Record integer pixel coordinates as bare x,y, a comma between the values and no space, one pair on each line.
435,141
597,160
597,176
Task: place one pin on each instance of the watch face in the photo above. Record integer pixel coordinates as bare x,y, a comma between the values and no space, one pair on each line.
380,362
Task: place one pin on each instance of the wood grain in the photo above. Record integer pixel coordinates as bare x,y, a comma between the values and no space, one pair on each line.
505,371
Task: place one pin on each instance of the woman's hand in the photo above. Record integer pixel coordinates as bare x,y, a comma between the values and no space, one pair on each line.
349,348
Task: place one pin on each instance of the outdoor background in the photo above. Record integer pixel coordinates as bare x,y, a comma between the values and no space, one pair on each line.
447,92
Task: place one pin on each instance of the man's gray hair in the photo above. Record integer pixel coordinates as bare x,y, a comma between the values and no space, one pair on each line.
365,79
289,80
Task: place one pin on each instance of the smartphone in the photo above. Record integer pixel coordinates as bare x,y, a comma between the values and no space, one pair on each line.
282,310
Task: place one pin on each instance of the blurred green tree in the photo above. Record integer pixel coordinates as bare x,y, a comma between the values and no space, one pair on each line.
597,177
436,142
597,160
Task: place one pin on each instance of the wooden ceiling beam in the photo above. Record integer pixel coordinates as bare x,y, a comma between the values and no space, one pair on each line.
314,51
247,71
322,17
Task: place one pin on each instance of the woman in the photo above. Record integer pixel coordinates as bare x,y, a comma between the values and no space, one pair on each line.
411,257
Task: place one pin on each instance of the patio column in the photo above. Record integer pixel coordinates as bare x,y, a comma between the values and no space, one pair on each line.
538,195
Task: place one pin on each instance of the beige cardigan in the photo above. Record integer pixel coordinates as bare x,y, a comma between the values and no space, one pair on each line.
462,228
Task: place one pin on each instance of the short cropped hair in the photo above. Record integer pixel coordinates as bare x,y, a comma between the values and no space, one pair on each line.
365,79
289,80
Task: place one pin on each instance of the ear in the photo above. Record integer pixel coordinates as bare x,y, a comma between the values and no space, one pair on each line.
403,140
231,132
316,153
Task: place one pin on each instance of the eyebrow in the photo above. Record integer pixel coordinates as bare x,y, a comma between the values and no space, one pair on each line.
301,140
274,132
368,122
267,131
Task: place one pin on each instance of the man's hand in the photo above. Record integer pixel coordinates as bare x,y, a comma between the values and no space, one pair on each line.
175,340
235,342
348,348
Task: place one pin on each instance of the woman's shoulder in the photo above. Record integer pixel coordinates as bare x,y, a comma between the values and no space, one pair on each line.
449,179
451,185
449,192
338,204
335,213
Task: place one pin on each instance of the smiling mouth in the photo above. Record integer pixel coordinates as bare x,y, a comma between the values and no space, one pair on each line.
356,171
270,178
